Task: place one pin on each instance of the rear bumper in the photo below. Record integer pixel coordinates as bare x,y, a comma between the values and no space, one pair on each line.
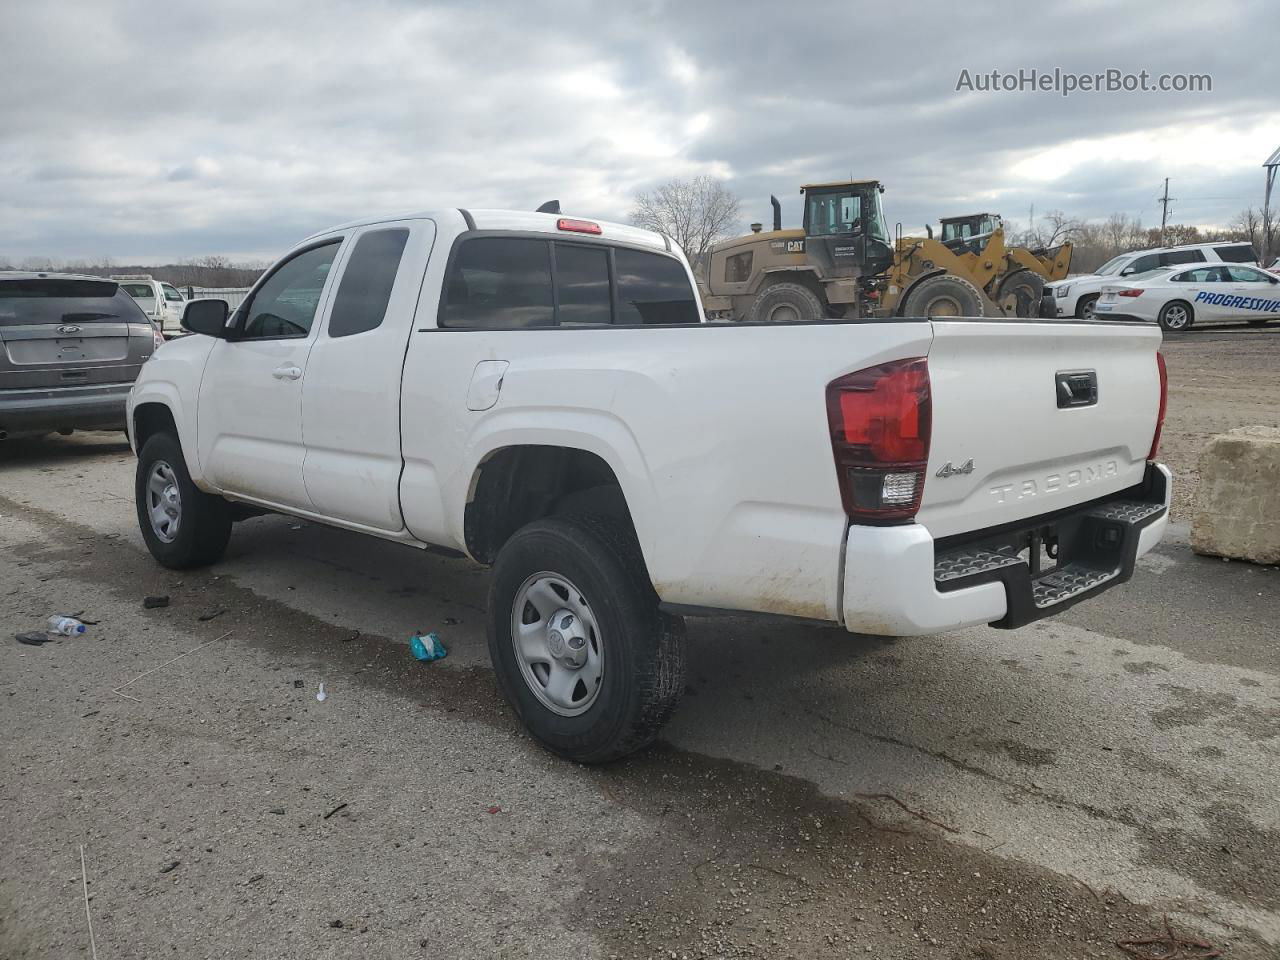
98,407
899,581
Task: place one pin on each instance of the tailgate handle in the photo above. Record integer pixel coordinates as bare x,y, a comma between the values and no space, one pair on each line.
1077,388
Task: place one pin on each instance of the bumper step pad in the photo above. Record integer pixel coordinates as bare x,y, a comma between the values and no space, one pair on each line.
971,561
1067,582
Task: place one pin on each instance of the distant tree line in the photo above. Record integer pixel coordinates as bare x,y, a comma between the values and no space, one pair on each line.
1096,243
211,271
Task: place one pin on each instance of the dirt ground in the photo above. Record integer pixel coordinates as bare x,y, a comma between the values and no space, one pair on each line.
984,795
1219,378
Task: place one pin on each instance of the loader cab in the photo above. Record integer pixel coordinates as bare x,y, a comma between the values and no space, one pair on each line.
969,234
844,228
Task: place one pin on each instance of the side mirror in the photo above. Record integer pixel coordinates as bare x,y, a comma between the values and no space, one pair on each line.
206,316
1126,271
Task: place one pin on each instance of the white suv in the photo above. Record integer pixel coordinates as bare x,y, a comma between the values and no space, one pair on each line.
1075,296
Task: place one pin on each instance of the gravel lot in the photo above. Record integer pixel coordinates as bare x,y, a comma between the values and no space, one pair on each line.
984,795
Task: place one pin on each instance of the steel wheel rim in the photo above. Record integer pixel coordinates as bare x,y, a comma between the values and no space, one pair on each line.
1175,318
557,644
164,501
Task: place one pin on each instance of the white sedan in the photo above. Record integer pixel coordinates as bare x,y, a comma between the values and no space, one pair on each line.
1176,297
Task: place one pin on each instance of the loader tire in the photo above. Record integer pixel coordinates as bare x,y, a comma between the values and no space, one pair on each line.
943,296
1022,291
786,303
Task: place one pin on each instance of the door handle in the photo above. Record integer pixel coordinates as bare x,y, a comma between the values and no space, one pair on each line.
287,372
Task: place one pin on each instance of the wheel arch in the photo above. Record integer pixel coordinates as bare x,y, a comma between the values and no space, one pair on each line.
160,408
525,479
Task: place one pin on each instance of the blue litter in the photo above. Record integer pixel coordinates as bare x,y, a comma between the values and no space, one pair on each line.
427,648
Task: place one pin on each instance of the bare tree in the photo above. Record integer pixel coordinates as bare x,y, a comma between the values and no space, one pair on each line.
1053,228
694,212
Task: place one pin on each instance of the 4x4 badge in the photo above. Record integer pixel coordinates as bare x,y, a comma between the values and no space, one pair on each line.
947,470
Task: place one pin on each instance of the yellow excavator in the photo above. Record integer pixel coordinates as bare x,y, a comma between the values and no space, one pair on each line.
843,262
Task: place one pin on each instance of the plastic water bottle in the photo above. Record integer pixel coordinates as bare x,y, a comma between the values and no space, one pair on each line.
65,626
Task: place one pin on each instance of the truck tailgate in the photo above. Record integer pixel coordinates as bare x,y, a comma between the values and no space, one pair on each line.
1034,416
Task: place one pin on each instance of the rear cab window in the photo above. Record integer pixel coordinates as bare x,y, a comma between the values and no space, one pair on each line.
139,291
505,282
53,300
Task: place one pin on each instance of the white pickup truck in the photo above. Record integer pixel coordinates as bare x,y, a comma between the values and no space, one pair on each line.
539,393
160,301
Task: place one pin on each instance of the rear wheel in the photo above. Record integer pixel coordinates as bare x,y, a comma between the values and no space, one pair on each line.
588,662
1084,309
182,525
1020,293
943,296
786,303
1176,315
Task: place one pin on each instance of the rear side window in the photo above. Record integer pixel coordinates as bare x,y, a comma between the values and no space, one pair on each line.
653,289
363,294
51,300
139,291
1236,253
582,284
500,282
1181,256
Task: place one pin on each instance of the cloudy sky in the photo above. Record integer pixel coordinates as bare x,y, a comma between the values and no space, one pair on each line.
152,132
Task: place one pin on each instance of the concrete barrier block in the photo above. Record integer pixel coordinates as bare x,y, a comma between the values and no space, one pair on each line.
1237,512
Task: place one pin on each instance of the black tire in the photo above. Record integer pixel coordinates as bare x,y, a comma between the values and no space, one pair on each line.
1026,287
1084,307
945,295
1172,316
786,303
642,648
204,524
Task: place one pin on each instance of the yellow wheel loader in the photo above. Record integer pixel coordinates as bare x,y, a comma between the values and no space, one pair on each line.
842,262
1019,283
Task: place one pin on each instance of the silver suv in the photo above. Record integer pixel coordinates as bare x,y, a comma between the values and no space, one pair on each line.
70,349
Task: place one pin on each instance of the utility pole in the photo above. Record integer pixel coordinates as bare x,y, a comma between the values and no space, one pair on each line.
1164,209
1273,161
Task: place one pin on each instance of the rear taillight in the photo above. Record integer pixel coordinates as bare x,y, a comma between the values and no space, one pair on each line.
880,422
1128,293
1164,403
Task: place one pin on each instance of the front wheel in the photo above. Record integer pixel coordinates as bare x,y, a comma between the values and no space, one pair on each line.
588,662
1176,315
182,525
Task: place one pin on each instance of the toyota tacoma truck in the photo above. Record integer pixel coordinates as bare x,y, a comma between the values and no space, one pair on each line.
539,393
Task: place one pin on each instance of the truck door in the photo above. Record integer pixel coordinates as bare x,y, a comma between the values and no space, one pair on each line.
351,398
249,430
